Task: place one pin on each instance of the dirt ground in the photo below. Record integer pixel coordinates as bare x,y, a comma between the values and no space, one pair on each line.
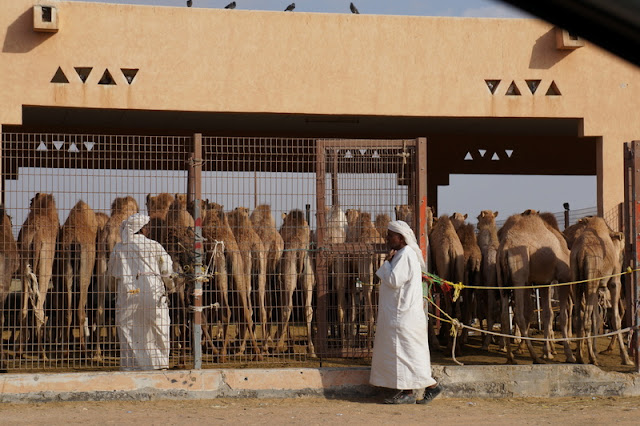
315,411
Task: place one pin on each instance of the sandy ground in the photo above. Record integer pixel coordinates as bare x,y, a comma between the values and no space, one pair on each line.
316,411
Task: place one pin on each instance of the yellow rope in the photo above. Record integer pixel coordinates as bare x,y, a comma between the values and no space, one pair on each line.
456,325
459,286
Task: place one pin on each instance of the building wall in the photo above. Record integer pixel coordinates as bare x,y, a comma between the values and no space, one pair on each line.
299,63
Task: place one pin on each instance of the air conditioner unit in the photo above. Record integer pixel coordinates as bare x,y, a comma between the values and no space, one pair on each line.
45,18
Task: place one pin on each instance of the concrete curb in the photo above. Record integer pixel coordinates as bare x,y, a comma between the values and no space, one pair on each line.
466,381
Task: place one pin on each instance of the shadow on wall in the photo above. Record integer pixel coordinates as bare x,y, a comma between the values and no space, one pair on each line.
20,37
544,54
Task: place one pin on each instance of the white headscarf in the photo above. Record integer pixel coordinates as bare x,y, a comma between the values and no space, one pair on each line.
131,225
403,229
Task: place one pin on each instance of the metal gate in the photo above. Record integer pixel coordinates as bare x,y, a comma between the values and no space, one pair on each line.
247,224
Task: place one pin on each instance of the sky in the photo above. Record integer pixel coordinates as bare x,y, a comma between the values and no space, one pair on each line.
467,194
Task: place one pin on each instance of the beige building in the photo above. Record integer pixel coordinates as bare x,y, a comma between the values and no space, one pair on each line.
498,96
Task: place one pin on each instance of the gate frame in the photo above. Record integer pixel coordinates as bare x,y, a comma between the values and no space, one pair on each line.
417,197
632,236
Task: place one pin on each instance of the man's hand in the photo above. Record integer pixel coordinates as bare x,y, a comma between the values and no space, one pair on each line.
390,255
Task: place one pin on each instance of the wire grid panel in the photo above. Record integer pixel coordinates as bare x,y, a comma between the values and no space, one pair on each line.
260,228
63,291
368,183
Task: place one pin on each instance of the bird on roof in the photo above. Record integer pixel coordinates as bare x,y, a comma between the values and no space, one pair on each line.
189,3
231,5
354,9
290,7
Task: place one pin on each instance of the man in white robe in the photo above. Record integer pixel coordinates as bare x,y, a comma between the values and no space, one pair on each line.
401,357
141,268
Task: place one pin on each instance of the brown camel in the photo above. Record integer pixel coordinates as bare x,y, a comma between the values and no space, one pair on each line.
530,253
101,220
597,252
37,246
404,212
368,264
488,243
158,206
224,255
254,259
472,264
108,237
78,244
337,234
265,226
9,263
448,260
295,268
382,225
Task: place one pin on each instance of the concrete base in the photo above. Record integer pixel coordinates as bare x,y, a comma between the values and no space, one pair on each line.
467,381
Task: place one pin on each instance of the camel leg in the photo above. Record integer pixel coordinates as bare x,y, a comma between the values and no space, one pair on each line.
308,283
490,307
101,272
547,323
504,325
522,320
68,288
340,280
563,294
614,289
87,261
590,302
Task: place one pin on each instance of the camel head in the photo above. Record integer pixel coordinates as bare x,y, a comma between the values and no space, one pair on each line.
457,219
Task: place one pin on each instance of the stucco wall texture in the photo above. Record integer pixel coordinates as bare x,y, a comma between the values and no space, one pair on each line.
220,60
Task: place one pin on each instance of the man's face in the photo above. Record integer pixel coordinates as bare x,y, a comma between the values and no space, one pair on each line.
395,241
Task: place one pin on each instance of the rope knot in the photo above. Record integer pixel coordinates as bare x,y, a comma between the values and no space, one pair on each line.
457,288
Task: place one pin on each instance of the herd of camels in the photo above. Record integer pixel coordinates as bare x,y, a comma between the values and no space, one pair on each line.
254,269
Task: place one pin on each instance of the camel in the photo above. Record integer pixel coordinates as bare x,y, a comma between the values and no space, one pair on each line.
368,263
352,221
158,206
448,259
472,264
382,224
9,263
37,246
265,226
597,252
223,253
254,259
295,268
108,237
101,220
488,243
404,212
337,234
532,252
78,252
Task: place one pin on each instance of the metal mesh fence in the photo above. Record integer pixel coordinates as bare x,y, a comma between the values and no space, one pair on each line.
282,283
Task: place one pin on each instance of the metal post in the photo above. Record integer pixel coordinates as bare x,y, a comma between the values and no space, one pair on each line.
335,201
321,259
194,192
566,215
420,197
635,226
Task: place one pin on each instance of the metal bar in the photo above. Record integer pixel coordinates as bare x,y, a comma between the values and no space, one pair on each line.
321,259
636,239
335,200
194,192
371,143
2,201
420,185
627,227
